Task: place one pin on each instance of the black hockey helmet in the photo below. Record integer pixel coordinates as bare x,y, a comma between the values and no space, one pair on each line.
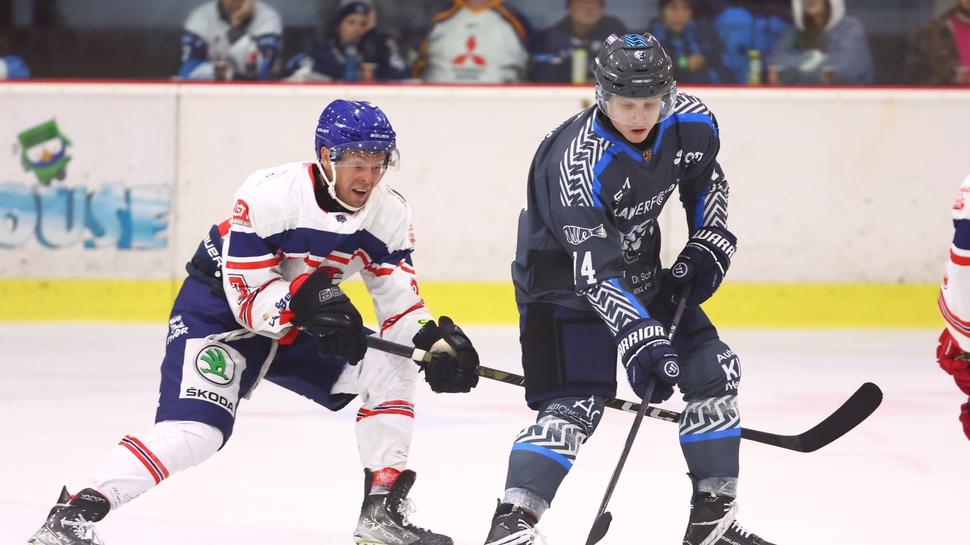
634,66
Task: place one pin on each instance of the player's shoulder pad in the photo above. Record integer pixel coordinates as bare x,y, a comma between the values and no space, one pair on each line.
389,217
689,107
961,205
266,20
270,199
202,19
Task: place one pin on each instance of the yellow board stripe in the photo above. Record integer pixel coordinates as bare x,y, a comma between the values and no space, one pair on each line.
735,305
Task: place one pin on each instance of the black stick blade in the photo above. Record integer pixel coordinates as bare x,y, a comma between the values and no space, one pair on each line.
599,529
852,413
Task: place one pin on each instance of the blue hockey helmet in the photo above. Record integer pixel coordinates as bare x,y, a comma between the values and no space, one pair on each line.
350,125
634,66
349,129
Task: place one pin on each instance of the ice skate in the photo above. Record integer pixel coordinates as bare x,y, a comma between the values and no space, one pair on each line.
71,520
710,518
737,535
384,517
512,526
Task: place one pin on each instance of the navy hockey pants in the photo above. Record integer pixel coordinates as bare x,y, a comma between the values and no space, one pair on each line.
211,363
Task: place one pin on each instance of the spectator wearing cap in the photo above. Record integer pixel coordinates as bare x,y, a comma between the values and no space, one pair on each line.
825,47
693,46
231,39
564,52
474,41
352,50
939,53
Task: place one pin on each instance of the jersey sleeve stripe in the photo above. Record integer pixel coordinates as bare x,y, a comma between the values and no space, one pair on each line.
961,234
250,265
951,318
388,323
958,259
634,302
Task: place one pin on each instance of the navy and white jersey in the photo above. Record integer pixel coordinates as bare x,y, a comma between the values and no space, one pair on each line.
589,234
278,231
250,52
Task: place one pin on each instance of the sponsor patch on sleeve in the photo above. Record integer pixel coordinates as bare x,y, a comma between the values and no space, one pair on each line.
240,214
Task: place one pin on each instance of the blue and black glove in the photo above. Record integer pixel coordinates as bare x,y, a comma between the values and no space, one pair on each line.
702,263
647,355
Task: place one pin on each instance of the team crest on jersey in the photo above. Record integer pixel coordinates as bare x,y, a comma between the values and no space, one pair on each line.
578,235
215,365
240,214
648,155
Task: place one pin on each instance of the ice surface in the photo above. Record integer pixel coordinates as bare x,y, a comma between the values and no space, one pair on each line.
290,472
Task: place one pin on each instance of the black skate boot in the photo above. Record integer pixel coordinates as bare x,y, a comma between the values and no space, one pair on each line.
383,517
71,521
737,535
710,518
512,526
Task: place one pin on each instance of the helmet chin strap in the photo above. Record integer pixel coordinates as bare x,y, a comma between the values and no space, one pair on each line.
332,188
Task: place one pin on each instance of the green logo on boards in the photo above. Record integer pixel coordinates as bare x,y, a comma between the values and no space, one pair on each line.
44,152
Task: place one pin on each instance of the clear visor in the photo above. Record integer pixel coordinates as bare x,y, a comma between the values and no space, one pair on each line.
377,156
636,112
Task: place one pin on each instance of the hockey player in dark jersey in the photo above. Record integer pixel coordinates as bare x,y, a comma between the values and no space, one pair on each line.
590,288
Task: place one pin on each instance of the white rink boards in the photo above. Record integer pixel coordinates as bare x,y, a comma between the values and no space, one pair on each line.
290,473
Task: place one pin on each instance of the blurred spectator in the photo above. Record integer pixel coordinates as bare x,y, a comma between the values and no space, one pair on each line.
749,31
405,22
352,50
564,52
231,39
13,67
474,41
940,52
827,47
693,47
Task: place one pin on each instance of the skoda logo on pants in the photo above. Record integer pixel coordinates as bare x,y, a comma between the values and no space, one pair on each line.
215,365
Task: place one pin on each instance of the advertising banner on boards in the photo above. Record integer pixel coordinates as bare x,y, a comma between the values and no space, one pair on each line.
87,185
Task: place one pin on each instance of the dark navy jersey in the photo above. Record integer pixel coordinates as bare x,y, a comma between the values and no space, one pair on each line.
589,234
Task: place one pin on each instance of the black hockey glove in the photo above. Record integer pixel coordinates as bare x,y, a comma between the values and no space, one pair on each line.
323,310
453,358
703,263
647,355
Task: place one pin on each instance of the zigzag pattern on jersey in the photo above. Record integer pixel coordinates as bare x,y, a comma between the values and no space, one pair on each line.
710,415
612,305
553,433
576,168
689,104
716,205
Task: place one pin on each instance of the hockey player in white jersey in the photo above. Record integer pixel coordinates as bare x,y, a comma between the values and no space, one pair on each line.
263,301
953,352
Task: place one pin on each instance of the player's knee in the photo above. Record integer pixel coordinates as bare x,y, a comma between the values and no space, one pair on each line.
384,377
184,443
711,370
575,418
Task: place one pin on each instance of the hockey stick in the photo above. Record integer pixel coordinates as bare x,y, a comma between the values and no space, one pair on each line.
853,412
603,517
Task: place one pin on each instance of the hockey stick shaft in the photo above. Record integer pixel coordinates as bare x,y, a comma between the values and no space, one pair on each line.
601,524
853,411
